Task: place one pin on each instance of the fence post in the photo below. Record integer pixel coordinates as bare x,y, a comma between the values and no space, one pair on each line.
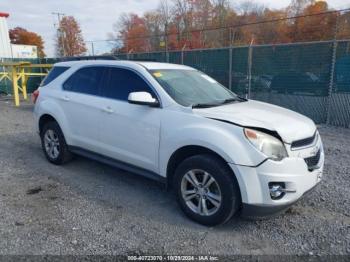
183,53
166,44
331,79
230,69
230,63
250,58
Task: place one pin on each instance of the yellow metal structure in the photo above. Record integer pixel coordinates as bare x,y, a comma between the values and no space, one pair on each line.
18,74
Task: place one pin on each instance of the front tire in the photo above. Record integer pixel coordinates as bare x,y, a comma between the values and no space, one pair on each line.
54,144
207,190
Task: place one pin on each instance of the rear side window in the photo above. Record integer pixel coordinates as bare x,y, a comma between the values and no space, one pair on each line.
54,73
86,80
121,82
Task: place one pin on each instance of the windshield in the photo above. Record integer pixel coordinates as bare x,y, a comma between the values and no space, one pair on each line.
193,88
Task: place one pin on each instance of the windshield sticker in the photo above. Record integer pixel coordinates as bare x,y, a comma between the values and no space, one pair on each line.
157,74
208,78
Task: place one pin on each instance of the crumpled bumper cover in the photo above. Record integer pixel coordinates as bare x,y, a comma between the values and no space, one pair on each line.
254,183
260,211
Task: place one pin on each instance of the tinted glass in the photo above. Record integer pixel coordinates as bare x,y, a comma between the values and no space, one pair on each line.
122,82
190,87
54,73
85,80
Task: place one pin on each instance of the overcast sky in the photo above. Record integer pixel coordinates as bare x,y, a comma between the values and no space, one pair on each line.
96,17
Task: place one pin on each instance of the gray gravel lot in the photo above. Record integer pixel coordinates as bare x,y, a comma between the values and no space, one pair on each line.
86,207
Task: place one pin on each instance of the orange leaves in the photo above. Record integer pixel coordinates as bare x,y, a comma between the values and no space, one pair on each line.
70,40
214,23
21,36
135,38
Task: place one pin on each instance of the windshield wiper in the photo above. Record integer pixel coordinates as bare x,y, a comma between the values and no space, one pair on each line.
205,105
232,99
222,102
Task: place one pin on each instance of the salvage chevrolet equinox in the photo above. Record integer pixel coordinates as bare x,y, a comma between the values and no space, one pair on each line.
221,154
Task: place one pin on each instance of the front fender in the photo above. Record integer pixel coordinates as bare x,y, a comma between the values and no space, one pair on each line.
225,139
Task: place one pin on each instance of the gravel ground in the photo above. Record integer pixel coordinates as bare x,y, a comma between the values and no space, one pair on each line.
86,207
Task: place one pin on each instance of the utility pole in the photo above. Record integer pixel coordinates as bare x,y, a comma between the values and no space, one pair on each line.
92,48
60,34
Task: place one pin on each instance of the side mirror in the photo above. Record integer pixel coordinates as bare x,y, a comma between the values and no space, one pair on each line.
142,98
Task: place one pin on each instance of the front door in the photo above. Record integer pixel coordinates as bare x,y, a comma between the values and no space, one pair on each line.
129,132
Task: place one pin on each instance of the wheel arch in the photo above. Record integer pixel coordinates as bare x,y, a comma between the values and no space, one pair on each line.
46,118
49,110
185,152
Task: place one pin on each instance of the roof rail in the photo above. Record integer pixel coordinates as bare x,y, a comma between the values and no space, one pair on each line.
79,58
142,60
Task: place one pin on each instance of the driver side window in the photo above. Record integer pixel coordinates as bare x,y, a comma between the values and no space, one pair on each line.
121,82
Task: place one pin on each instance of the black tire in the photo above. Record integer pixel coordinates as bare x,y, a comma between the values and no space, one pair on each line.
64,155
225,180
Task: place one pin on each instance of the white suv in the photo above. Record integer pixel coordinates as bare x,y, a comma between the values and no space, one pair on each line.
220,153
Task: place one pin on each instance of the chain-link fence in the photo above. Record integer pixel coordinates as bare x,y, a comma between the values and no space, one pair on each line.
301,63
311,78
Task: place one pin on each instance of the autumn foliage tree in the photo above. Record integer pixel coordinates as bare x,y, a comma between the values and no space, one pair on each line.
22,36
135,37
195,24
314,28
69,41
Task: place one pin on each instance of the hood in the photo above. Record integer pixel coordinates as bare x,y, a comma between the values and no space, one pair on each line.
291,126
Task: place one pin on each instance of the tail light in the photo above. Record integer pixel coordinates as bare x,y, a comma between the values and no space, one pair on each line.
35,96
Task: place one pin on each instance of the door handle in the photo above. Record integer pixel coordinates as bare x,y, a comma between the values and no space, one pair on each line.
108,110
65,98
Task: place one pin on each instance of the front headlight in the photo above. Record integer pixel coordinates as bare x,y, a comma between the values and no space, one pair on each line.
269,145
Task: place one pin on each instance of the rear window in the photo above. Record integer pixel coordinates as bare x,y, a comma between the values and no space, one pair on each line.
54,73
86,80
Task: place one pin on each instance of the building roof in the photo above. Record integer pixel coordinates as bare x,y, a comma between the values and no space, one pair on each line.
2,14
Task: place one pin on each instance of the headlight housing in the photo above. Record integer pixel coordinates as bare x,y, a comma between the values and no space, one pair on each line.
269,145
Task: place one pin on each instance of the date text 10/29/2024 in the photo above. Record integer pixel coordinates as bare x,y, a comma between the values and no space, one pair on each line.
172,258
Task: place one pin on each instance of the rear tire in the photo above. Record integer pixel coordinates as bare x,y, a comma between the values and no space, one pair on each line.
207,190
54,144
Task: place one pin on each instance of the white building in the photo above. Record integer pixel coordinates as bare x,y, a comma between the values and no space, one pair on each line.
24,51
5,44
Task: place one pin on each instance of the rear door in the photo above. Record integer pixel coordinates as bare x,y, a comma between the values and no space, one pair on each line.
129,132
82,106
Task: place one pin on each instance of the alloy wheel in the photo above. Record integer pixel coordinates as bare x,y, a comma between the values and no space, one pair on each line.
201,192
52,144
